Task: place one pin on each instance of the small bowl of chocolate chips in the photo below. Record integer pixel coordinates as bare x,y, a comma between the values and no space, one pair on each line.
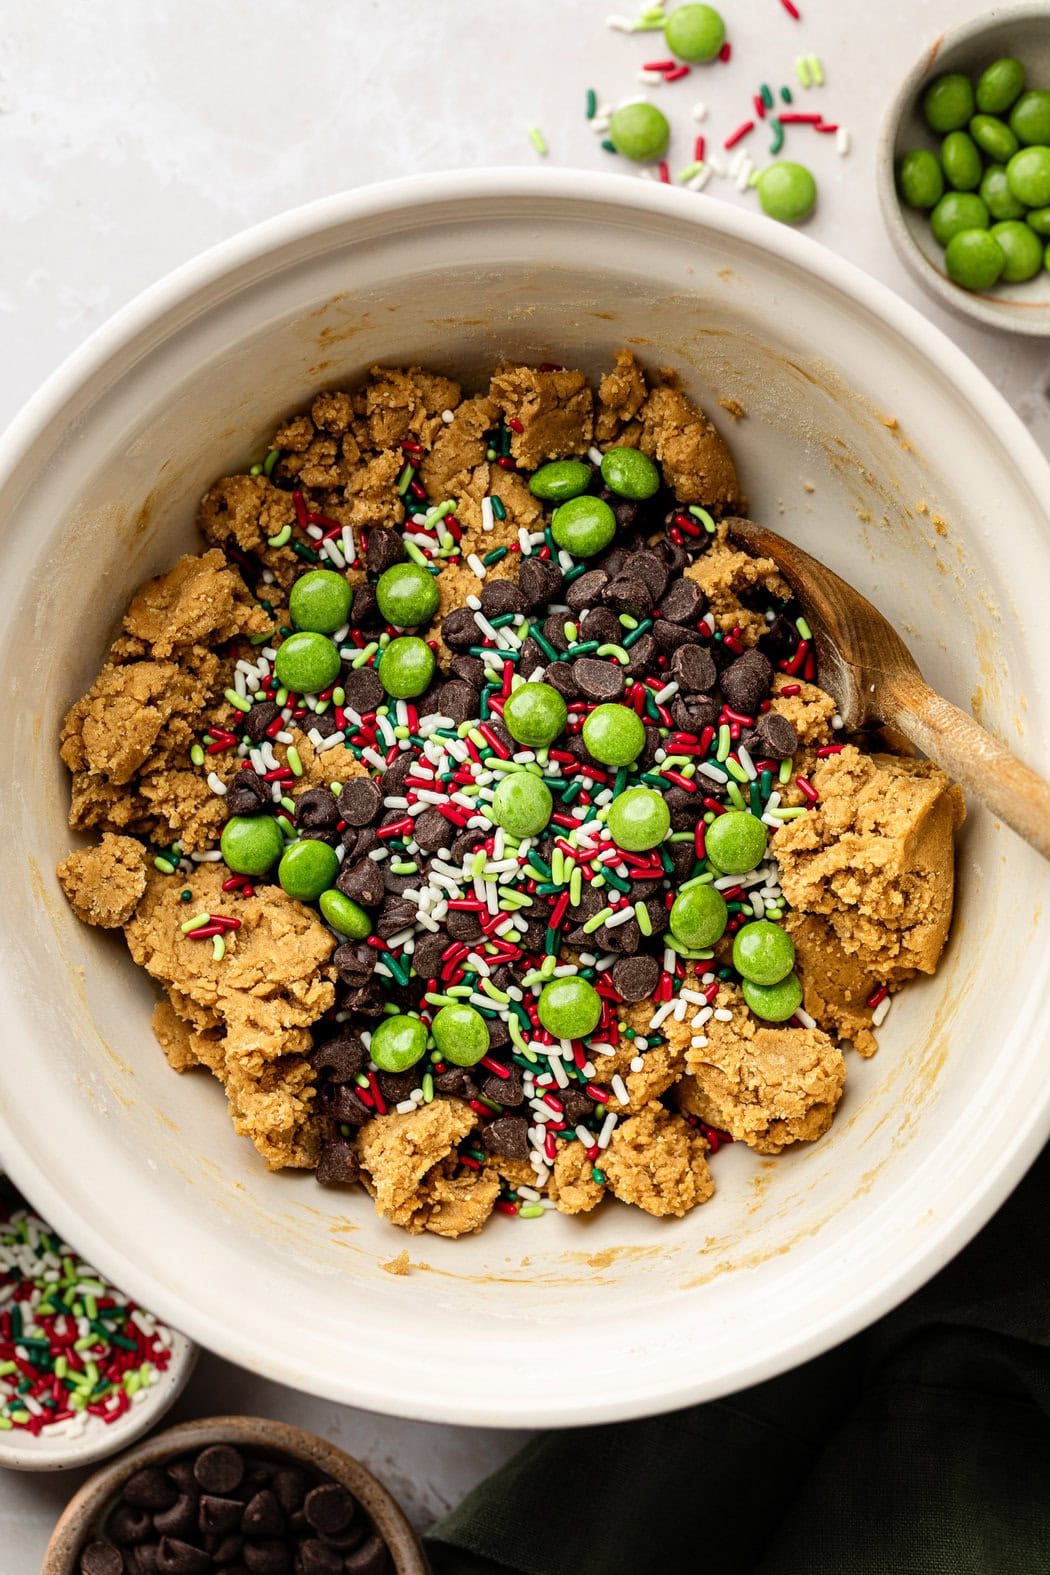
232,1495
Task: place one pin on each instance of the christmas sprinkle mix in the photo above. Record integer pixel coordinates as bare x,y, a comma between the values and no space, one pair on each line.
72,1347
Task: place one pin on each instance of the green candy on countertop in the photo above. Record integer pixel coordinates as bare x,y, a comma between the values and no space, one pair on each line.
307,663
614,734
736,842
461,1035
998,85
957,210
583,526
921,179
569,1008
763,952
774,1003
699,917
320,601
407,595
961,161
560,480
534,715
398,1043
695,33
640,132
948,103
307,869
974,259
630,473
406,668
1021,248
787,191
251,844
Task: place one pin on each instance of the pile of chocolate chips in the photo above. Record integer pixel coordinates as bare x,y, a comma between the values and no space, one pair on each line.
219,1510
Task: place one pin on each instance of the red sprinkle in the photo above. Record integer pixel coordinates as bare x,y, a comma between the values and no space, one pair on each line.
878,995
738,135
514,424
806,787
829,749
677,74
725,52
698,148
760,107
660,65
665,173
796,118
792,10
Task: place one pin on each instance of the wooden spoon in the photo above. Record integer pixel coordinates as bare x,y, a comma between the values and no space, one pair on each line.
872,677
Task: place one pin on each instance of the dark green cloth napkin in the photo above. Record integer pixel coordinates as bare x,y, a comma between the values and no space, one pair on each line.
921,1446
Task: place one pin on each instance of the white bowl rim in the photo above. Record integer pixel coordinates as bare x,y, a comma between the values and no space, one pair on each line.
942,1238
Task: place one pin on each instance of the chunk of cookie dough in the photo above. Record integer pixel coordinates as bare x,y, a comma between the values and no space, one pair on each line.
661,1065
396,1151
696,463
201,601
725,574
835,984
876,858
458,449
447,1204
767,1087
571,1183
656,1161
104,883
621,395
555,410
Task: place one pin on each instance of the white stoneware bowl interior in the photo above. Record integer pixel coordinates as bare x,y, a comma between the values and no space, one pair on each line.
867,437
1021,30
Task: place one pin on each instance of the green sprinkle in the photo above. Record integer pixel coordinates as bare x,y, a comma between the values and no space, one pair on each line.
404,479
218,948
614,650
736,771
802,72
786,95
788,814
427,1085
165,866
816,70
270,461
736,797
498,508
531,1211
237,700
767,95
610,147
538,141
282,538
597,921
197,755
689,170
636,634
785,769
195,924
598,1175
495,556
803,628
725,742
705,519
592,103
778,136
294,761
641,913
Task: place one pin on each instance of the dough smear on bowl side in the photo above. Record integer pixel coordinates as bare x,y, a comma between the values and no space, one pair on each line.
476,807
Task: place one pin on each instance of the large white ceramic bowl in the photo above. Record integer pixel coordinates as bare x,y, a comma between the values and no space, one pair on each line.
870,439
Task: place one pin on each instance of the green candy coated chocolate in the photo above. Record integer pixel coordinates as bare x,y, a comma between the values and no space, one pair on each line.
1030,118
307,869
948,103
699,917
251,844
997,196
1039,219
695,32
560,480
775,1003
320,601
614,734
1021,249
406,668
639,819
994,137
344,915
640,132
974,259
998,85
921,179
763,952
961,161
307,663
398,1043
736,842
630,473
569,1008
957,210
534,715
787,191
461,1035
407,595
1029,175
522,804
583,526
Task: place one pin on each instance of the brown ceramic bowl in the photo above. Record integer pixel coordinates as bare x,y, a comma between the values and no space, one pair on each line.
84,1511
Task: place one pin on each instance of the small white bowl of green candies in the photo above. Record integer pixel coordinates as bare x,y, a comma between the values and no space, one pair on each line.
964,169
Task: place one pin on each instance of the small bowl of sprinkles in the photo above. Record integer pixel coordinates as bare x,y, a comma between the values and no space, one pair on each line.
84,1371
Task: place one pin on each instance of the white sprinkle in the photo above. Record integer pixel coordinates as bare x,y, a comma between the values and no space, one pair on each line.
560,1074
758,907
447,417
837,722
713,773
805,1019
314,532
722,1015
585,1135
608,1126
719,169
619,918
406,1107
647,77
698,181
637,1064
699,111
488,519
619,1088
745,760
662,1012
620,24
331,551
595,456
842,141
239,684
666,692
524,542
743,179
529,1194
881,1012
349,545
330,743
206,858
216,784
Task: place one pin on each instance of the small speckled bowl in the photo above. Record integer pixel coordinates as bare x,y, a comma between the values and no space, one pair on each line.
255,1435
1022,30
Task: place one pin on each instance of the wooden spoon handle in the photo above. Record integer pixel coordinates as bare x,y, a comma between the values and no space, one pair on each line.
972,757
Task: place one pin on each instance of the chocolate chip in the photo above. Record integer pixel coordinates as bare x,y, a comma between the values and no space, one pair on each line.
531,658
355,962
636,977
669,636
151,1488
499,597
219,1468
227,1550
776,737
142,1559
263,1515
368,1559
362,881
175,1557
470,668
747,681
674,556
683,859
693,714
316,807
560,676
337,1166
325,724
181,1473
602,625
457,1081
394,915
586,590
693,669
781,639
458,700
316,1558
685,808
508,1136
218,1515
101,1558
343,1105
392,782
426,959
682,602
267,1558
396,1086
539,581
360,801
180,1520
340,1059
650,567
329,1508
554,631
259,718
629,594
626,512
432,830
643,657
463,926
598,680
385,548
459,630
625,938
291,1486
590,903
364,609
247,794
575,1103
650,749
504,1090
613,561
363,691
